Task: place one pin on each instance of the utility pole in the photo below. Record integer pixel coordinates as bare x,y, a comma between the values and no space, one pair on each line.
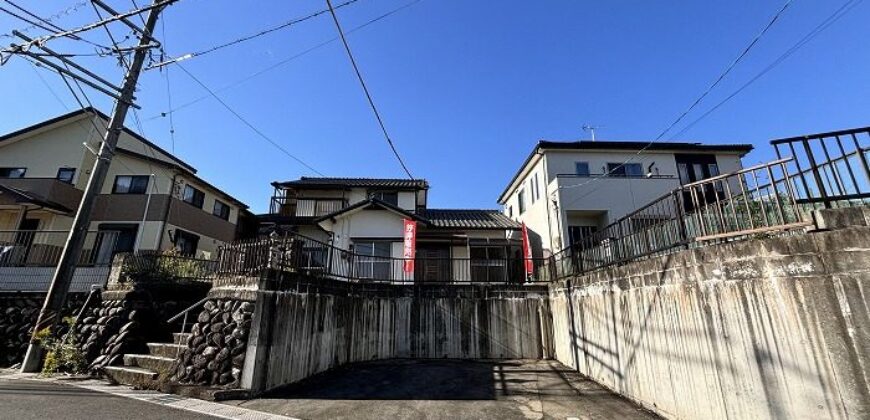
60,281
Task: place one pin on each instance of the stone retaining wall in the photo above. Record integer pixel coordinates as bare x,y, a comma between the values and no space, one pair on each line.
18,312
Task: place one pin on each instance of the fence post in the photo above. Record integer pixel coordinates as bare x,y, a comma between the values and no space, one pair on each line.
818,177
681,217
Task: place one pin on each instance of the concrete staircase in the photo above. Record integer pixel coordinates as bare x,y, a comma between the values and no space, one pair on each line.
148,370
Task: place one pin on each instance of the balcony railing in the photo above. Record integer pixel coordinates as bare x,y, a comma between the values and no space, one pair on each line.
297,253
33,248
306,207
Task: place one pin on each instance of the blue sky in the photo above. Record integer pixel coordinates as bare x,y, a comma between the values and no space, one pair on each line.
466,88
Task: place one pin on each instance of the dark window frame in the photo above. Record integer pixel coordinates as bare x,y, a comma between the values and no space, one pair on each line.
130,186
578,165
72,176
379,195
6,171
223,206
624,170
189,238
197,198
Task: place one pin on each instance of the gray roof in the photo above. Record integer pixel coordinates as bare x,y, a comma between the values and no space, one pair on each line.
468,219
321,182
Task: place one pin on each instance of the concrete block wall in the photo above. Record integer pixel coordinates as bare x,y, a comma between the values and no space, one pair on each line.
304,326
764,329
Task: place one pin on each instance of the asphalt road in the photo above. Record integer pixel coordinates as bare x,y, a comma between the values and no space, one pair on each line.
23,399
447,390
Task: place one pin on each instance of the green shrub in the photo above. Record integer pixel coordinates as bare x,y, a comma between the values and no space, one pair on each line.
62,356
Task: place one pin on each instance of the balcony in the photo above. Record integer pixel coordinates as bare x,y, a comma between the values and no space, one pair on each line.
49,190
617,195
306,207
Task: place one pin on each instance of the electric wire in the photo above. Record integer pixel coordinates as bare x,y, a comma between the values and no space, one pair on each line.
248,37
65,12
279,63
366,90
244,121
51,27
825,24
694,104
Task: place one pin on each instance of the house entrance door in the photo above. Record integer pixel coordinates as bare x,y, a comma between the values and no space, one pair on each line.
432,263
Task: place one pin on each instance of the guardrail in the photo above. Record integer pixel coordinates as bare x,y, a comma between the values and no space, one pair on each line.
829,168
751,201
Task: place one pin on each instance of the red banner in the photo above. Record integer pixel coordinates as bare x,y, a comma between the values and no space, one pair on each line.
410,235
527,252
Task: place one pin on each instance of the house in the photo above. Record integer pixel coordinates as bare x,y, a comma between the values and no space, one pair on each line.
366,217
151,200
567,190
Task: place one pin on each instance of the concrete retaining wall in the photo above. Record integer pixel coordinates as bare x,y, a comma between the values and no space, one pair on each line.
769,328
305,327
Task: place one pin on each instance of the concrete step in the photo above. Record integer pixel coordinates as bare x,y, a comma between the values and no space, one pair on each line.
166,349
180,338
134,376
160,365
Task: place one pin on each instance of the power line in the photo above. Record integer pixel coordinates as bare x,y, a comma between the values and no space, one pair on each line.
243,120
825,24
91,26
248,37
168,86
697,101
65,12
279,63
366,89
44,24
728,69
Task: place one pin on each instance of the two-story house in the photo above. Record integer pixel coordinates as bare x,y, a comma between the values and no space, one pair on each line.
365,216
151,200
566,190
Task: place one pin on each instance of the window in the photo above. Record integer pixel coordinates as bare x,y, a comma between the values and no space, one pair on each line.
488,263
186,242
221,210
12,172
521,201
625,169
373,259
389,197
510,211
130,184
581,168
66,175
193,196
536,193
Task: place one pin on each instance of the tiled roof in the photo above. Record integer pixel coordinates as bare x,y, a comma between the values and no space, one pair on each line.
468,219
356,182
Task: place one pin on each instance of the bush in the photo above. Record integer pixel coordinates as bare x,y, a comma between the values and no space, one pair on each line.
62,356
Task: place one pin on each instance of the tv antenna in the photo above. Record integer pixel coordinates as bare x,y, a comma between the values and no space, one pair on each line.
591,129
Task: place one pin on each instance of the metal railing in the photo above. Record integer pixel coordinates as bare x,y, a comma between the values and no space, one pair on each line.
829,168
42,248
306,207
751,201
158,266
297,253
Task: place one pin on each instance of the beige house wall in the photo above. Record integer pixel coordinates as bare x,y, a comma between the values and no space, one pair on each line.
43,151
